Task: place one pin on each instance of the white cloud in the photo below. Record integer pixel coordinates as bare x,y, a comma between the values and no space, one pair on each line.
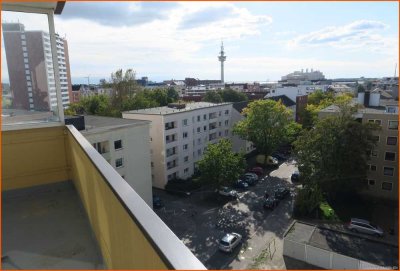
362,34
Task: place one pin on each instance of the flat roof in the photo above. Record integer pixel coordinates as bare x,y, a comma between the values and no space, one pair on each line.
95,124
347,244
165,110
46,227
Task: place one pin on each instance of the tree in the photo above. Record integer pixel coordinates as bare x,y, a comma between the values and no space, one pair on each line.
159,95
319,100
265,125
172,95
212,97
332,155
220,165
229,95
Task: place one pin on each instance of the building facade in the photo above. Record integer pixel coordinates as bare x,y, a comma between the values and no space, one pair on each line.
180,134
125,145
34,89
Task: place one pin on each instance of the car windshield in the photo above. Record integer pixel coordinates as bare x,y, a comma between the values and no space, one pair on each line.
224,243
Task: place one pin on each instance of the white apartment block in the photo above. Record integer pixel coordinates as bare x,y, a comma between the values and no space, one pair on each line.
180,135
125,145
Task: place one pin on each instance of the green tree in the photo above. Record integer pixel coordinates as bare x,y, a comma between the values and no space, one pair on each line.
230,95
220,165
265,125
212,96
332,155
172,95
159,95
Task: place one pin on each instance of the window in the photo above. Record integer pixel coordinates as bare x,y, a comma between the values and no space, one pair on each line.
119,162
219,133
226,112
391,109
379,122
185,122
198,118
24,49
205,117
23,42
387,186
372,153
27,66
186,159
390,156
25,54
226,132
186,170
185,134
393,125
220,112
25,60
373,168
391,140
371,182
199,141
198,129
185,147
226,122
199,152
205,128
152,164
388,171
118,144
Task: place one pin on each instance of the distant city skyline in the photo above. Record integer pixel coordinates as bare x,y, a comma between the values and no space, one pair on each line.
263,40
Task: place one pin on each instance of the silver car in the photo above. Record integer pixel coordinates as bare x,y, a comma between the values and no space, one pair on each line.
230,241
364,226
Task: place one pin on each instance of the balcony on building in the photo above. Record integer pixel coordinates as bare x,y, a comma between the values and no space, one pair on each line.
172,151
212,126
172,164
63,204
170,125
212,115
171,138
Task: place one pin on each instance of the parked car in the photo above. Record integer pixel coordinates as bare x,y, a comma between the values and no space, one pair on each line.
281,193
295,176
279,156
230,241
270,202
227,192
257,170
269,160
241,184
252,174
364,226
157,202
249,179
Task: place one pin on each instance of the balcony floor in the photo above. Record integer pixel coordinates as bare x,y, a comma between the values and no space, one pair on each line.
46,227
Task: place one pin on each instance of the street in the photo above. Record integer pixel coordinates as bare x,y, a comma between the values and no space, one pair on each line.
203,218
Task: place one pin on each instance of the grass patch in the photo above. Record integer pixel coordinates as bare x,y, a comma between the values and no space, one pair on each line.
260,259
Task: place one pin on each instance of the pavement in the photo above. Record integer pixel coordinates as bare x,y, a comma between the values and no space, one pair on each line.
203,218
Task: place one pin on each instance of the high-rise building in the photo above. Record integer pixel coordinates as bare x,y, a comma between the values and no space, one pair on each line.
30,68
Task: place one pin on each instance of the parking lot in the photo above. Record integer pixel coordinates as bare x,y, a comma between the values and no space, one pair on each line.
201,219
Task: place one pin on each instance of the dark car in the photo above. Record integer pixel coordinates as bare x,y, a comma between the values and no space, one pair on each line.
295,176
257,170
250,180
281,193
157,202
279,156
241,184
270,203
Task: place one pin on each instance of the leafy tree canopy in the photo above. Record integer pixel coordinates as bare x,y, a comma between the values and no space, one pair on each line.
220,165
212,97
265,125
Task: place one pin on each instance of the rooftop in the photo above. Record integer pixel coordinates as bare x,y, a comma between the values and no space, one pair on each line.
165,110
94,124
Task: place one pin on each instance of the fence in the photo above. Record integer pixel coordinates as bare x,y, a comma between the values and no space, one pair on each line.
324,258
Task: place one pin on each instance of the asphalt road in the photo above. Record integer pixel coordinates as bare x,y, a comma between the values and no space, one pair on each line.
202,219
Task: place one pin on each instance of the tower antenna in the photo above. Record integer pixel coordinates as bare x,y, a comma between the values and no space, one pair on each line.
222,58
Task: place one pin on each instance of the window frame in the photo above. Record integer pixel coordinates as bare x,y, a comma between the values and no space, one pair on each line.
122,162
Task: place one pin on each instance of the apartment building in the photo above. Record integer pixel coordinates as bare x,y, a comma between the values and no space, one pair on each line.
125,145
382,176
180,134
30,51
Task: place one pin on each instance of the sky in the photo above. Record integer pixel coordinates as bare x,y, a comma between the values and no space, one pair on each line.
263,40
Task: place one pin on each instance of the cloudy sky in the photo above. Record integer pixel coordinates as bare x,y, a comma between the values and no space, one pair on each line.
263,40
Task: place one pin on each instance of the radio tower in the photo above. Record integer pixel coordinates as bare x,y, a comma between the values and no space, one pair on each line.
222,58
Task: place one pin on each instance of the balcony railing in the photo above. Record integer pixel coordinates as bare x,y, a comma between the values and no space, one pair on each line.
138,240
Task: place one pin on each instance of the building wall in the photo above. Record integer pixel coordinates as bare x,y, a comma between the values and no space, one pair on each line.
196,141
135,153
72,97
379,160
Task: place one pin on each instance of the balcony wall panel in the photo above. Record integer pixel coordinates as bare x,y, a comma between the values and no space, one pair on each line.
34,157
121,241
